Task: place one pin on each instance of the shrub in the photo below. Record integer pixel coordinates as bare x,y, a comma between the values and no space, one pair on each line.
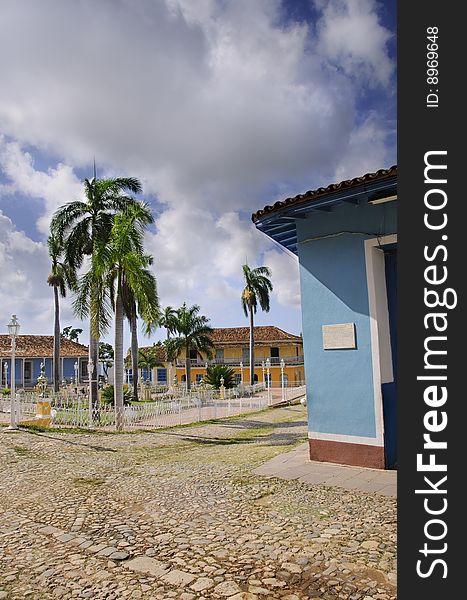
214,374
6,392
107,394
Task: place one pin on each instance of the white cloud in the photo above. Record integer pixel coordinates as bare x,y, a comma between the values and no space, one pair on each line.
206,101
285,277
351,36
219,107
196,254
55,187
23,271
367,151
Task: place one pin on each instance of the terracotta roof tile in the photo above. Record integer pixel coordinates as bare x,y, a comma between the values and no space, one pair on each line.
323,191
265,335
40,346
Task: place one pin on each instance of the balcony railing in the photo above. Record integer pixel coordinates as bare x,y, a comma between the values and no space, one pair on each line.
235,362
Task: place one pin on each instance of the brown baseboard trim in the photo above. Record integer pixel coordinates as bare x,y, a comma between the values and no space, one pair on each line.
359,455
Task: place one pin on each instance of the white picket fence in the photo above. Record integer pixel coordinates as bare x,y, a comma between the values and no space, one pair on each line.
166,411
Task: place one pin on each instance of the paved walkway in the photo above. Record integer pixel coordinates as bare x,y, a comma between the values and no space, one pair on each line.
296,464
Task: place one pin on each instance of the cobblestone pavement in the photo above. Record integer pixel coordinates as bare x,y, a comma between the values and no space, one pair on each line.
179,514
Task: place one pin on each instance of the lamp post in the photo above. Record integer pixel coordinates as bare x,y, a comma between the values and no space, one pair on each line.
282,378
76,372
264,380
5,369
13,331
90,372
268,366
241,373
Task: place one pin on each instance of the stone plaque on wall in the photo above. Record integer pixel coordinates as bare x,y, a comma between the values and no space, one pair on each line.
339,337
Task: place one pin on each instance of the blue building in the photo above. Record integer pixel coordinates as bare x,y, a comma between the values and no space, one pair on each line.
345,236
32,350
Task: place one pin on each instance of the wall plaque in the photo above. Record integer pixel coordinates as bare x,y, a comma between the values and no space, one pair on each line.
338,337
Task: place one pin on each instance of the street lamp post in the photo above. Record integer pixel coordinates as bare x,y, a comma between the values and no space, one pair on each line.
241,373
76,373
90,372
282,378
5,369
13,331
264,380
268,376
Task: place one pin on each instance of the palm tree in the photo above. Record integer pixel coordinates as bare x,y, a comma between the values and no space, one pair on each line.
194,334
122,267
130,308
168,320
215,373
81,225
257,289
60,277
172,350
148,360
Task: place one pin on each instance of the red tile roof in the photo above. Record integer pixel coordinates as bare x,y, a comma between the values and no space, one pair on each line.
40,346
323,191
265,335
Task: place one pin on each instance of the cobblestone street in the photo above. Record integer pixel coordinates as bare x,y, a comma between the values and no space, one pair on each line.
179,514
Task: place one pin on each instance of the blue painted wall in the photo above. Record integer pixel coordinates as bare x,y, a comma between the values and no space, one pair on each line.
68,368
334,290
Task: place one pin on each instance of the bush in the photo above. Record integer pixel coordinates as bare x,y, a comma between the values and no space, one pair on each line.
107,394
214,374
6,392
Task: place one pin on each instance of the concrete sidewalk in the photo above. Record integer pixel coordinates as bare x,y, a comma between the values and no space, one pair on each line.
296,464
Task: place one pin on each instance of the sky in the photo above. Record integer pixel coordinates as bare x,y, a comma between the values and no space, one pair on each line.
219,107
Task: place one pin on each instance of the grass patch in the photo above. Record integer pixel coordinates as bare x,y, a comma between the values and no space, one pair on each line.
21,451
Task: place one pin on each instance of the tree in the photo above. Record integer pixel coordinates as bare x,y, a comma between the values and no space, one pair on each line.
148,359
121,267
216,372
131,311
82,226
71,333
257,289
172,351
106,357
168,320
194,334
60,277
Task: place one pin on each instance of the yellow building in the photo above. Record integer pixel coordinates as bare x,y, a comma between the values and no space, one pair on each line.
275,350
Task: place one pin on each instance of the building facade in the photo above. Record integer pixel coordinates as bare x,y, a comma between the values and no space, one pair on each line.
345,236
34,350
231,348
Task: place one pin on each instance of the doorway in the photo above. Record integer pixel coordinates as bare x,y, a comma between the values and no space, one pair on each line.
389,389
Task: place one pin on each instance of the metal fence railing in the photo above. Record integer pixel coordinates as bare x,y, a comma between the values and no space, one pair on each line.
169,408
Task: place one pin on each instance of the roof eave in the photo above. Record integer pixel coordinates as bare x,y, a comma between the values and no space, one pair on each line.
279,222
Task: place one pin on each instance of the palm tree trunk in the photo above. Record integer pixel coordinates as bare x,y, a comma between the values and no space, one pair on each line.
94,358
56,342
118,362
134,354
188,367
252,348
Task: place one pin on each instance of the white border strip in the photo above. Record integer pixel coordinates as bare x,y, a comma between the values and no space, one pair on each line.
346,439
379,325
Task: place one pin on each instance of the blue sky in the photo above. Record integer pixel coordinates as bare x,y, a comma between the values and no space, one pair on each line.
219,107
